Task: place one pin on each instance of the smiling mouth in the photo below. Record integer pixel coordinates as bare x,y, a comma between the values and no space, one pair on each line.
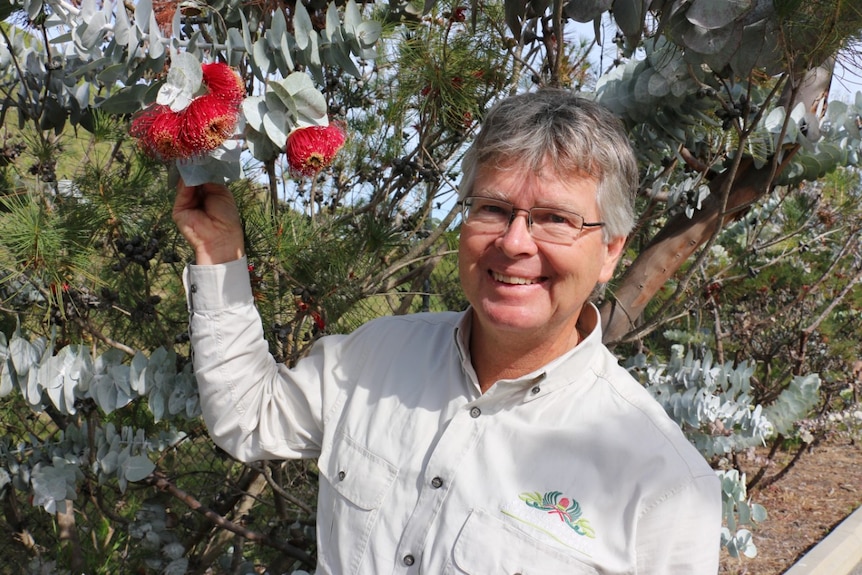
514,280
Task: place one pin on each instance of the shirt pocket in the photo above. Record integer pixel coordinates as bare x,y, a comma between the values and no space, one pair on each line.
358,482
489,545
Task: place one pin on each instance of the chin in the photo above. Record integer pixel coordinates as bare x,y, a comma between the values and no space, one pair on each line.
516,319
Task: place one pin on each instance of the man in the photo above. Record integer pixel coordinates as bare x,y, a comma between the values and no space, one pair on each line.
503,439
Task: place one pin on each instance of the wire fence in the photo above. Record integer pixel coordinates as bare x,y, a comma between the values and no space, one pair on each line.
213,506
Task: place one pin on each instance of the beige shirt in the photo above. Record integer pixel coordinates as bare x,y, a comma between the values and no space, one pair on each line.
571,469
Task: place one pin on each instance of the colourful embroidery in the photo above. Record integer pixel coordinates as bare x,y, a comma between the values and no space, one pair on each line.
567,510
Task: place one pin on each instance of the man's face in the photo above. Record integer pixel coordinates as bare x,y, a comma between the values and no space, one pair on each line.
521,288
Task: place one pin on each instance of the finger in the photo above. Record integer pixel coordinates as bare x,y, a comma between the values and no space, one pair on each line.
187,197
196,197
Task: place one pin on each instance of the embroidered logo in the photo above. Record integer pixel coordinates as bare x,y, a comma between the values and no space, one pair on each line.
565,509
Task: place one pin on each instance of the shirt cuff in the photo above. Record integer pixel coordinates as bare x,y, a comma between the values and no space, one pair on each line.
217,287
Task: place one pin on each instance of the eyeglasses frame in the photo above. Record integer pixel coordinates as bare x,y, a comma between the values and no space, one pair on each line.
465,207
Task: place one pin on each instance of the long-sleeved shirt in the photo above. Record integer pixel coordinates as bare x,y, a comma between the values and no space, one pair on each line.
572,468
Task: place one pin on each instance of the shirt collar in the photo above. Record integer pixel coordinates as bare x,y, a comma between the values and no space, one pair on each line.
462,342
553,375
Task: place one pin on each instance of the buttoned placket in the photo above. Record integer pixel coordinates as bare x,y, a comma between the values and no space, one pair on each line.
456,445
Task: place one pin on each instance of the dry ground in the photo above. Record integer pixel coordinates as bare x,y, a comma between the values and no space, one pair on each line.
822,488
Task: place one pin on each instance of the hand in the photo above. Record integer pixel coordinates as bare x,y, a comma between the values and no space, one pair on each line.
208,218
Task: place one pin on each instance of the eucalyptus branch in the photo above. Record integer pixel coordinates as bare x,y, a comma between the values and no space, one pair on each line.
430,259
682,285
767,481
241,508
413,254
777,260
560,42
806,332
14,57
523,60
833,304
158,480
267,474
723,213
719,339
784,238
849,247
88,326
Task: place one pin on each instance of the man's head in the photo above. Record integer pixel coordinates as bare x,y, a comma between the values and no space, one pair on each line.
549,182
574,135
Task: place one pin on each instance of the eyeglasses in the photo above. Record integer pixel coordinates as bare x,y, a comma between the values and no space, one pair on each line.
492,216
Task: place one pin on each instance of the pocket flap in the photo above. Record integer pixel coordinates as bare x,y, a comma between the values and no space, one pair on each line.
356,473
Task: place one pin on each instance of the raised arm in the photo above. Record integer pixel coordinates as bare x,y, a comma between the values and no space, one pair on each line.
254,407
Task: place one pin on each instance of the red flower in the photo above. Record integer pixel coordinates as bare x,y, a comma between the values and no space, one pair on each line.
201,127
223,82
311,149
206,123
157,129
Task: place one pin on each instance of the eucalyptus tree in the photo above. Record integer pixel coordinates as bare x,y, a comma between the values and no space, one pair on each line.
733,94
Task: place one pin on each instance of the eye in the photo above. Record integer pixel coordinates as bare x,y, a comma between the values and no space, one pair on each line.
545,217
489,208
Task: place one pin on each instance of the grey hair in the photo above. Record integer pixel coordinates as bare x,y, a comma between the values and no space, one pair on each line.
574,134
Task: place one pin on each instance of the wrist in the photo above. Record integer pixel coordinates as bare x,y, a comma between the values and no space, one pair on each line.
214,255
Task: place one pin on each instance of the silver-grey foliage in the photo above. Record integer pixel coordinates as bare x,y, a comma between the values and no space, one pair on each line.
68,380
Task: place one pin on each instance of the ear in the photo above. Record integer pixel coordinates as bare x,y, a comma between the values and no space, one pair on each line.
613,252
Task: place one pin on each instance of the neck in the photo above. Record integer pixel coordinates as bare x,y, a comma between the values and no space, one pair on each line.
497,356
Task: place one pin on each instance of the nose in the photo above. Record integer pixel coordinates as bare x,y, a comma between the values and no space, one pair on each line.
517,240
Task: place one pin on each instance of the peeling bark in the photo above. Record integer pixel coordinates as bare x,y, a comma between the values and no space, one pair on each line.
674,244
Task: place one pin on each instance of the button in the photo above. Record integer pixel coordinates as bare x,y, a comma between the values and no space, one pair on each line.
475,412
409,560
194,288
536,389
342,475
436,483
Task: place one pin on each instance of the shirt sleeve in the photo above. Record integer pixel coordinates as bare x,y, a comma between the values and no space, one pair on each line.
254,407
681,535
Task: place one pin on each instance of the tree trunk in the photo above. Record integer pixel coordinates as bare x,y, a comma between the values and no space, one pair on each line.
674,244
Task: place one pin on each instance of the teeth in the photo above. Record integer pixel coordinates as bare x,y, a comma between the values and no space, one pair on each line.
512,279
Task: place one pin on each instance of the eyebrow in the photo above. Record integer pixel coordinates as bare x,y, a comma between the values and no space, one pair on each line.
493,194
497,195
